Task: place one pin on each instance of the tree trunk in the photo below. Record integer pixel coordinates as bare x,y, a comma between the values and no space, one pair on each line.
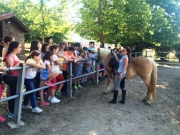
101,35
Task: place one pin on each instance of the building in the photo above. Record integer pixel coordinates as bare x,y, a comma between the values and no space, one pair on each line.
11,25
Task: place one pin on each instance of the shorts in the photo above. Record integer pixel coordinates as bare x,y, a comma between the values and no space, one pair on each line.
44,75
59,78
102,67
78,73
53,87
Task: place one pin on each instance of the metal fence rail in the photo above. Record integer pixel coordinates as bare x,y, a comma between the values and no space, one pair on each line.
20,86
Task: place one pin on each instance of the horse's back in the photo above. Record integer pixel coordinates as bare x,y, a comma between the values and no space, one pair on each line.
139,66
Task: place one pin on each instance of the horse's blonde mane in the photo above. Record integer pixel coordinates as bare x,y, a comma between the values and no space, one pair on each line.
104,53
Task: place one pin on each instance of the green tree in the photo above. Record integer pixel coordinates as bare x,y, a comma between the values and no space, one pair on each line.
41,19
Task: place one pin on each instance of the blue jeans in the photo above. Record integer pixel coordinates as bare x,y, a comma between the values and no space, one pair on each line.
29,83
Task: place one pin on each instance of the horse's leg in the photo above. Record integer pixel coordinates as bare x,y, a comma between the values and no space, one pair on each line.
149,95
108,82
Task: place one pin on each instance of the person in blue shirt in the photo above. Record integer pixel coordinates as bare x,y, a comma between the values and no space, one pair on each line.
91,46
120,78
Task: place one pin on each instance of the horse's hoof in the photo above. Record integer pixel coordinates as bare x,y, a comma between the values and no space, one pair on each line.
106,92
144,100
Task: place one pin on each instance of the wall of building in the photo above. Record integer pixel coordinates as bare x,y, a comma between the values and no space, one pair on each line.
10,28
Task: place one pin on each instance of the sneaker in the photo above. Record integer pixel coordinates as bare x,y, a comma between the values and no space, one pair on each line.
64,92
27,107
75,87
2,119
79,86
10,115
49,98
45,94
37,110
38,99
83,84
55,100
44,103
49,84
58,94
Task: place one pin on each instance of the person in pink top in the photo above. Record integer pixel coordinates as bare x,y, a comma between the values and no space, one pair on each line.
13,61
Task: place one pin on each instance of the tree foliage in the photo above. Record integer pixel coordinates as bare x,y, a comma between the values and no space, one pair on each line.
41,19
137,23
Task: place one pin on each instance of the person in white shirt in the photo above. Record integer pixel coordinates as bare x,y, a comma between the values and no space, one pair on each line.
56,68
35,62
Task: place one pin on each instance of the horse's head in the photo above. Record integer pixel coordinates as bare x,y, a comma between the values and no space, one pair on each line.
102,54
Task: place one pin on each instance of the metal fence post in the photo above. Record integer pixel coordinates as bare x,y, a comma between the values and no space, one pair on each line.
96,74
135,54
19,91
70,80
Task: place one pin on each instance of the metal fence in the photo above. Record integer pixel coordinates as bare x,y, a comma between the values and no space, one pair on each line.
20,86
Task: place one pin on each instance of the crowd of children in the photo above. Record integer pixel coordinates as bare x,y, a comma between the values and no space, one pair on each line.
46,68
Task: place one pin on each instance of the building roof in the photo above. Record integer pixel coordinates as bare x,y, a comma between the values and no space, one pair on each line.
12,17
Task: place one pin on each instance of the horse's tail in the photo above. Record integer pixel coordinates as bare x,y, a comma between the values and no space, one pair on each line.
154,78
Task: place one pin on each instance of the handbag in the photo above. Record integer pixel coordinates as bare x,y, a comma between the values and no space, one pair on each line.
9,79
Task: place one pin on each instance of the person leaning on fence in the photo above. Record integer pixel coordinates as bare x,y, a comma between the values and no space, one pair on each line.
13,61
56,68
120,78
35,45
78,71
69,56
87,65
44,49
35,62
47,75
1,90
94,57
7,40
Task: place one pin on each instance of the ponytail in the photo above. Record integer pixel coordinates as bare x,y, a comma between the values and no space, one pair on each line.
128,50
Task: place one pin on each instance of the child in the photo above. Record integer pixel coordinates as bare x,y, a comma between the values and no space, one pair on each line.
34,61
47,75
57,63
1,90
78,71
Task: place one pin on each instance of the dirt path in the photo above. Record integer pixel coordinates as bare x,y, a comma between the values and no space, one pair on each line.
89,113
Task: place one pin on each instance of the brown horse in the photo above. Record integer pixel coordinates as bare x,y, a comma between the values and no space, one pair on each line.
144,67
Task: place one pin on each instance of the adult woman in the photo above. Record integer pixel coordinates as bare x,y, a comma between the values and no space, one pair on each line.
35,45
120,78
7,41
44,48
13,61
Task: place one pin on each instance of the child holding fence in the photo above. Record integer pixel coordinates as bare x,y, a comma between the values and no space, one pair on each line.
56,68
32,60
1,90
47,75
78,71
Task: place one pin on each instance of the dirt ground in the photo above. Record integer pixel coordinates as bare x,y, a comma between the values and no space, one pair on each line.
88,113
